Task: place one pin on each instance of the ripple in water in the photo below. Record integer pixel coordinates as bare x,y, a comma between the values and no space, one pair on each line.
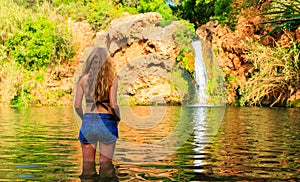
253,144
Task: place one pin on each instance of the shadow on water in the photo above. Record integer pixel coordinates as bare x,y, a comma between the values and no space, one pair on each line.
250,144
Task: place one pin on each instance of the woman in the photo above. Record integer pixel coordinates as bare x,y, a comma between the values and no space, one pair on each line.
98,85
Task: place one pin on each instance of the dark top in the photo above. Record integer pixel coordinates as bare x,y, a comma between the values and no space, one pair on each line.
89,100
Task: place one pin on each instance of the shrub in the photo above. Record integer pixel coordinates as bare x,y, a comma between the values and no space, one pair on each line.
38,44
185,59
200,12
31,39
224,13
101,13
158,6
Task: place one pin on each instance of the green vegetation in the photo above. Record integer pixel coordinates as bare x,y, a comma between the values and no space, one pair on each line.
99,13
283,15
225,13
200,12
34,41
38,44
275,76
181,81
31,44
144,6
184,35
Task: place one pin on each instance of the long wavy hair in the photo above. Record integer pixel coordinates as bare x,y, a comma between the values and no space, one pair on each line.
95,63
104,80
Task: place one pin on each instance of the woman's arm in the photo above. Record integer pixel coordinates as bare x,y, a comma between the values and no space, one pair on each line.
79,97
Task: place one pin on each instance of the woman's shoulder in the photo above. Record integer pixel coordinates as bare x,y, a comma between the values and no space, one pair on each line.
82,79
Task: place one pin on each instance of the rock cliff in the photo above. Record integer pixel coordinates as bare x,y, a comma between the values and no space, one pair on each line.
144,53
231,48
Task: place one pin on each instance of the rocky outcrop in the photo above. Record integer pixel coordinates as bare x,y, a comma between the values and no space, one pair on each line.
82,35
232,46
143,51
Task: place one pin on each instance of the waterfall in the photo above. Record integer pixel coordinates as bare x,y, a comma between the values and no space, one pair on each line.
200,73
207,116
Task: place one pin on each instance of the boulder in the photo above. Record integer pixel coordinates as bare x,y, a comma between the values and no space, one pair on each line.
143,52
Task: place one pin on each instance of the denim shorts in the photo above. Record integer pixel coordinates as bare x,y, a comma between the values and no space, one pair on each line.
98,127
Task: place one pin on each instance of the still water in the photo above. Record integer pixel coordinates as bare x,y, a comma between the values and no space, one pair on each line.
157,144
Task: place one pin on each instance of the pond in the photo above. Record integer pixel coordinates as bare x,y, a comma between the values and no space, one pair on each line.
161,143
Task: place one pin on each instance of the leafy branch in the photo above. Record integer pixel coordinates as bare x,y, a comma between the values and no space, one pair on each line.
283,15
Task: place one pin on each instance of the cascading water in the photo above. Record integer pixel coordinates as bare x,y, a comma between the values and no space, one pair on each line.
200,74
201,96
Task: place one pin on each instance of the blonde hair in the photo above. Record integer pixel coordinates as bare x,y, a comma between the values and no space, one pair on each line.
104,81
93,66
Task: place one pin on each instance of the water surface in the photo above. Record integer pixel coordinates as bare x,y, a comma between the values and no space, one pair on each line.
170,144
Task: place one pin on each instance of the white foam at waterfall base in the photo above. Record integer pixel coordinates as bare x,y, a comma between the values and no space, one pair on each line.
200,74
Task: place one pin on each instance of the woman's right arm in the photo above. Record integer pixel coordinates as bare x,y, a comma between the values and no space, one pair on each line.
79,97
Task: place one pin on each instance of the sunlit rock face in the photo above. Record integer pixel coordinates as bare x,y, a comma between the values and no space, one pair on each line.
143,52
231,48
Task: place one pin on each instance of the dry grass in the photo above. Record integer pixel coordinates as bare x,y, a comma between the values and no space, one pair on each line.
274,77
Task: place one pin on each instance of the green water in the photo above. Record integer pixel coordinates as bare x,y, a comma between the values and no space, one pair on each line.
157,144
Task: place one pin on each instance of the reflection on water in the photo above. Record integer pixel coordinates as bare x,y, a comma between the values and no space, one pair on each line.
153,143
257,143
40,144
